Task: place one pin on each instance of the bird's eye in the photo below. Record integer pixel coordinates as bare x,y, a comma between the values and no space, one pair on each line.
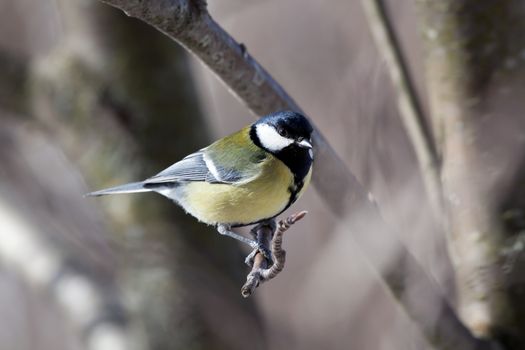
282,131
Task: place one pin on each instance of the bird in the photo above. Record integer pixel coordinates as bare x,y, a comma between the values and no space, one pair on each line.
246,178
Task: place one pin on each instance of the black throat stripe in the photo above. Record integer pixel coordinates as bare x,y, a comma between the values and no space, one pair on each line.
294,191
299,162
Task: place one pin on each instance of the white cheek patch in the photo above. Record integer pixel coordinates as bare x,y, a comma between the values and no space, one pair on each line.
311,154
270,138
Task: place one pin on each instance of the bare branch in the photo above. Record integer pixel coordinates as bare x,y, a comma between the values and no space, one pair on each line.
410,108
260,272
192,27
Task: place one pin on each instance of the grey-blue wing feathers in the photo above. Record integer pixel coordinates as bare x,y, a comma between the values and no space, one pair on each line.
194,167
133,187
191,168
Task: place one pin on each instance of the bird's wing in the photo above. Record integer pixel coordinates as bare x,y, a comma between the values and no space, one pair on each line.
225,161
235,158
192,168
199,166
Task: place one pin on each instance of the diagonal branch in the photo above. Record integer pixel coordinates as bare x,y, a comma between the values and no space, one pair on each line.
188,23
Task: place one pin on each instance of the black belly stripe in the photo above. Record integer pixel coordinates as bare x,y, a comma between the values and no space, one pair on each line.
294,191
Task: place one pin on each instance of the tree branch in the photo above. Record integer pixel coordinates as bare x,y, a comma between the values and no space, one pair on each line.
410,109
188,23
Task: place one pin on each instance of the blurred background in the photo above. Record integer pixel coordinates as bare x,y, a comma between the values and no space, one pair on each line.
110,100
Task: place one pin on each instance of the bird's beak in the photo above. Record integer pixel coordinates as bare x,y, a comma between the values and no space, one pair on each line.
305,144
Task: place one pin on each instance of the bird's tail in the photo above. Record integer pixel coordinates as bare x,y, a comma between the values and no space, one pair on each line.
133,187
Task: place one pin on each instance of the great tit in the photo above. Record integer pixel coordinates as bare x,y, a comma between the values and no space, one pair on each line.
245,178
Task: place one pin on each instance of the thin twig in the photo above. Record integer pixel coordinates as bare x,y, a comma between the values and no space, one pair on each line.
260,272
410,109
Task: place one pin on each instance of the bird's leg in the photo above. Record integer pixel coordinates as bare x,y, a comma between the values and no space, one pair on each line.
263,240
255,244
226,231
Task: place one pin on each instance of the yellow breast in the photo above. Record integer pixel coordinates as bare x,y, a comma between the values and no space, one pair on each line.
261,198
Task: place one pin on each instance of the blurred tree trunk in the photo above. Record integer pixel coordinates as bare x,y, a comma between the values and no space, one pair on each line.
475,65
117,96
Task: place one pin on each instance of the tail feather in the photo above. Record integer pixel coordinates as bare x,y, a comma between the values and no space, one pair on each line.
133,187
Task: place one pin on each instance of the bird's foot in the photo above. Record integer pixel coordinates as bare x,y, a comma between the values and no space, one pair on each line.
259,248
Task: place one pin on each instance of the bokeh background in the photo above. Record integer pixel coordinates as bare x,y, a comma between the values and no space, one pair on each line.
110,100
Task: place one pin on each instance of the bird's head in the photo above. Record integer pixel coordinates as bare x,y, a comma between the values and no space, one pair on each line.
283,131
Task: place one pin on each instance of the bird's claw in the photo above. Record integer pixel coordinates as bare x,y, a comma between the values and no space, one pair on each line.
258,248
